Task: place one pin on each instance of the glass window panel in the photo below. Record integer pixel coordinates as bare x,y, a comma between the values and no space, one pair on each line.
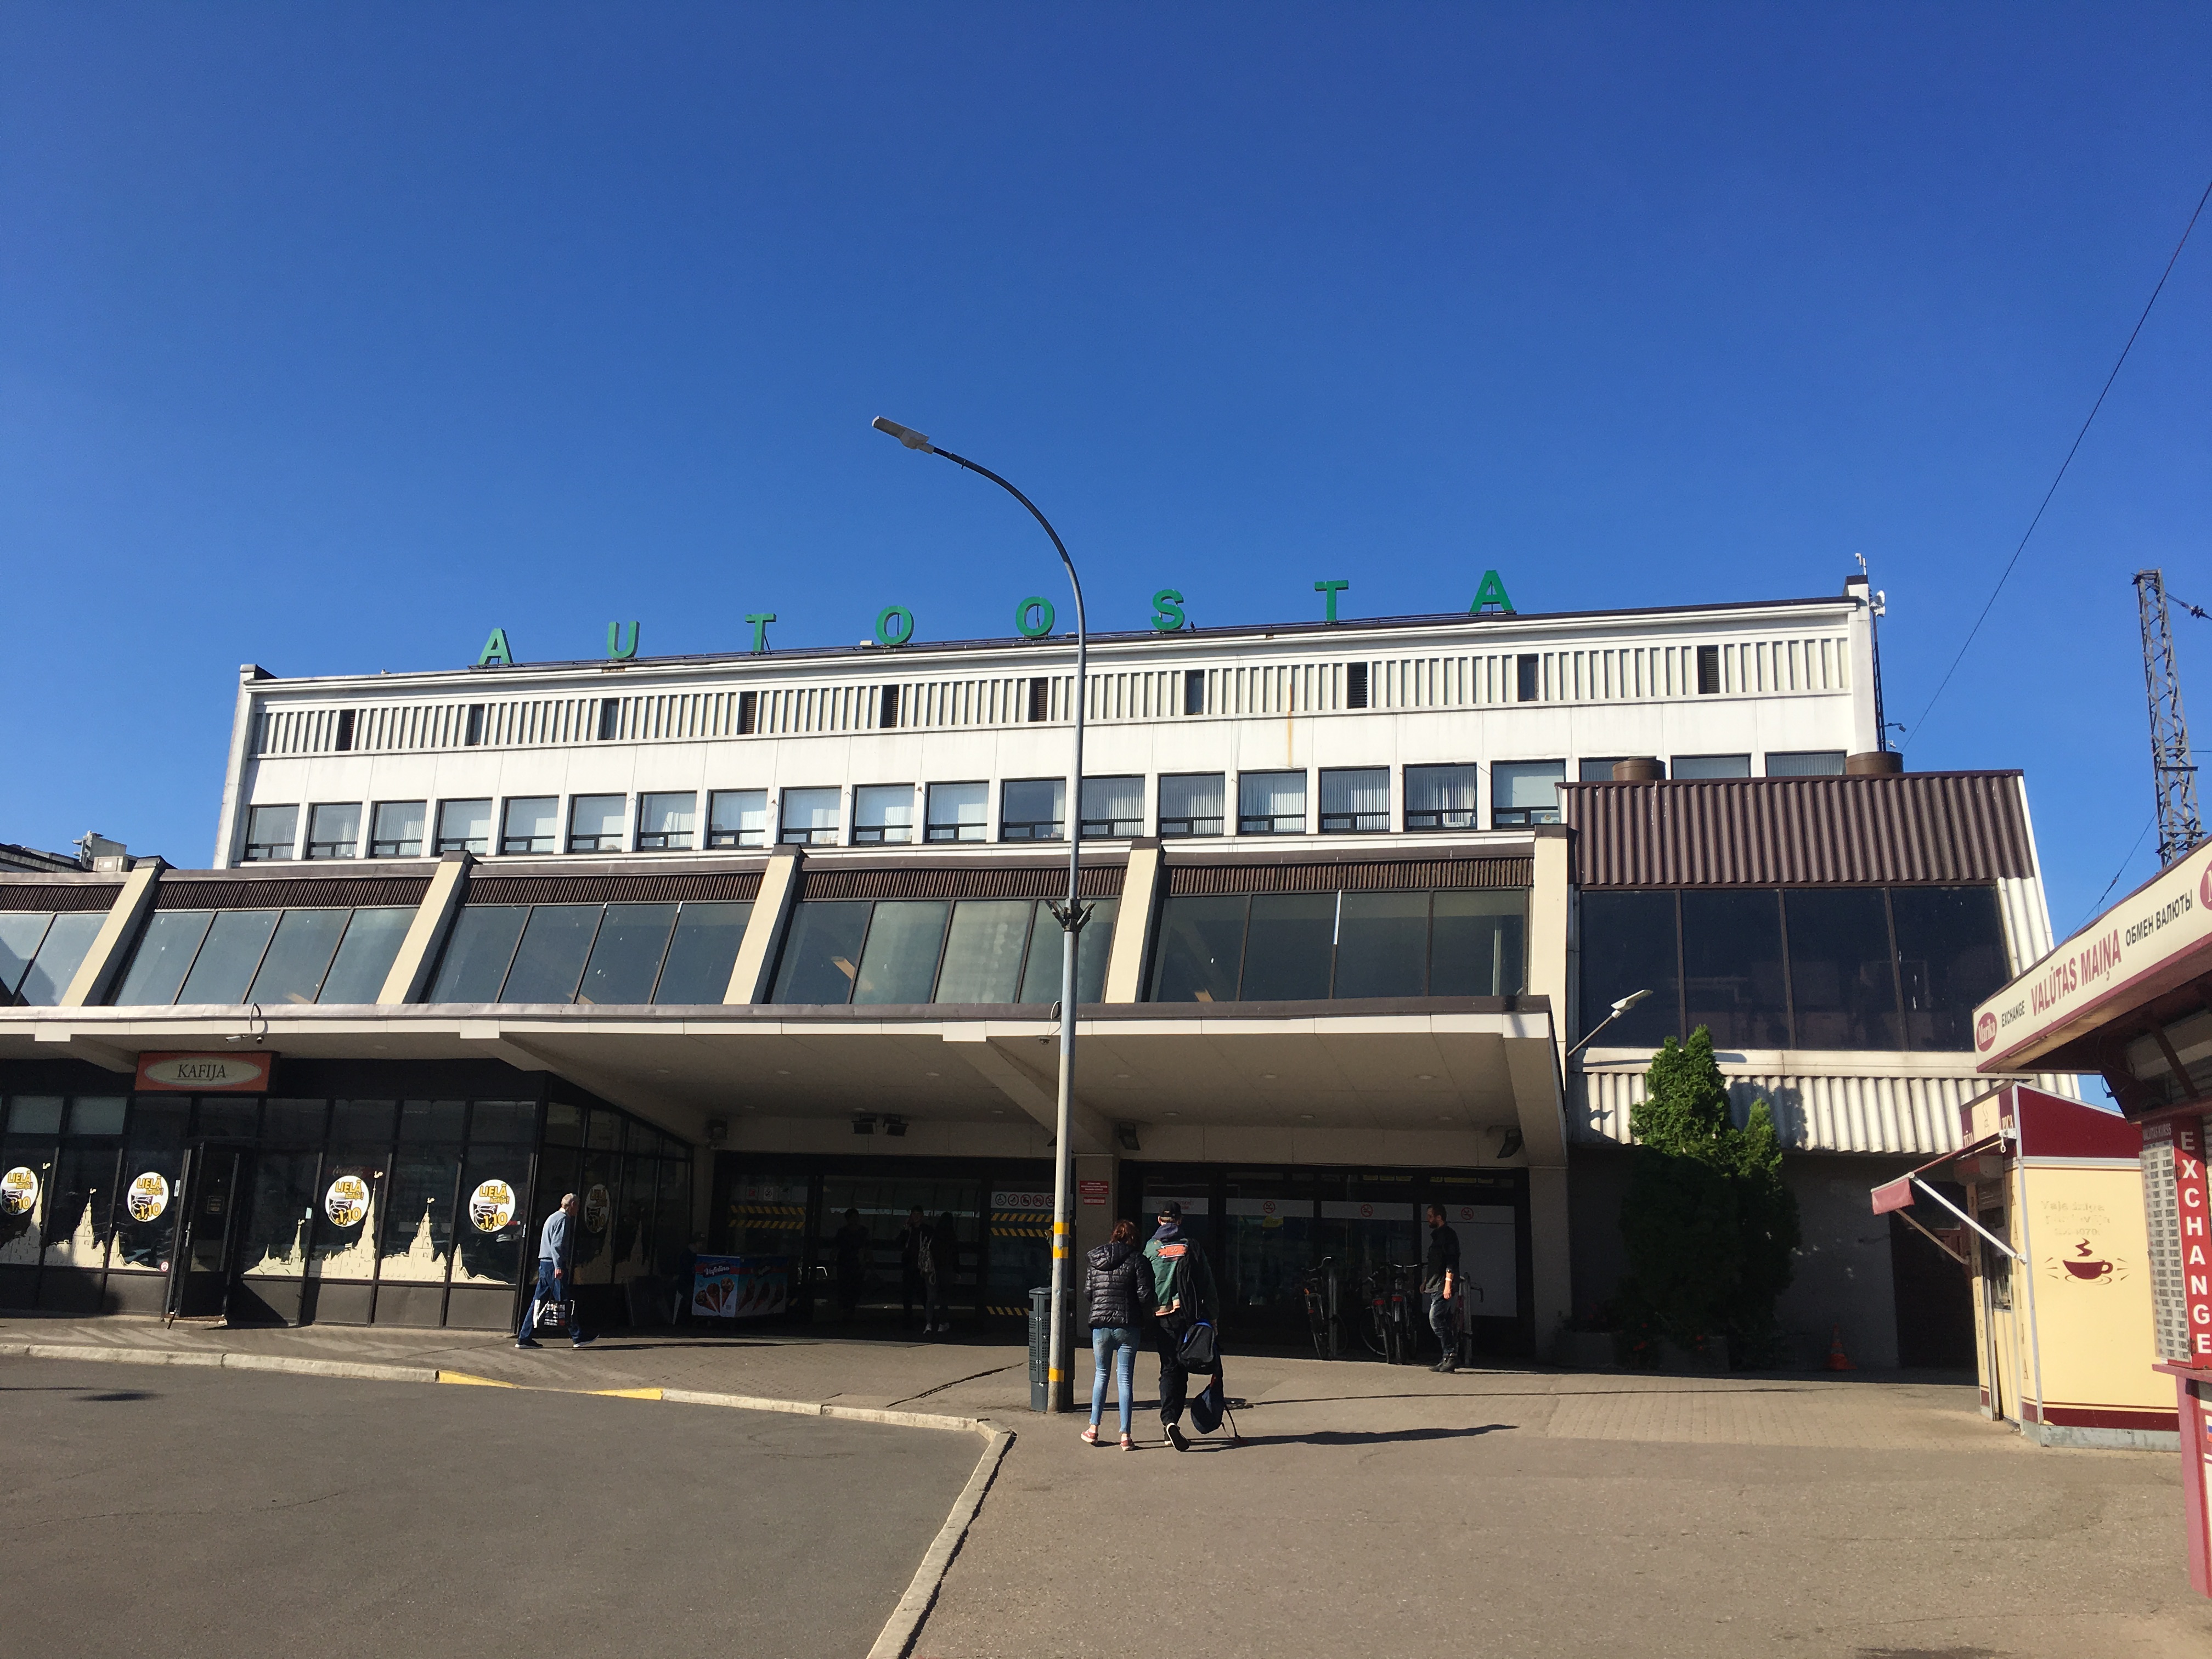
564,1124
164,955
671,1215
626,957
983,951
532,824
227,961
79,1215
1842,978
1479,944
595,822
1355,798
1382,944
704,952
1806,764
27,1197
282,1214
899,962
334,830
396,830
1113,807
492,1225
145,1214
61,953
20,934
1526,792
298,957
596,1187
465,826
1192,803
1732,975
363,1123
667,823
823,952
430,1120
503,1121
549,960
1950,955
271,832
1041,976
227,1118
959,812
97,1115
1270,803
477,953
365,956
1287,950
606,1129
1629,944
809,817
343,1232
882,812
1710,765
736,817
631,1246
1589,770
1033,808
1443,798
1201,948
35,1115
418,1219
297,1123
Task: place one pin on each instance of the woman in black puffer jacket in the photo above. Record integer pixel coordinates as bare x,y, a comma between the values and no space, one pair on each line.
1118,1286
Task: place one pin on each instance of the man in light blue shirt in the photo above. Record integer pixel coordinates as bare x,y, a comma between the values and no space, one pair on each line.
556,1274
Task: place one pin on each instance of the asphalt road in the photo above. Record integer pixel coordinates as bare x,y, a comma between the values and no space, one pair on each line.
174,1513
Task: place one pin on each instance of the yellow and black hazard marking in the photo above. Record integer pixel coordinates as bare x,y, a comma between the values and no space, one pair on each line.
1020,1223
770,1218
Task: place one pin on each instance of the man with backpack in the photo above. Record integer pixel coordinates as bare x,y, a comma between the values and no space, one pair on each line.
1183,1299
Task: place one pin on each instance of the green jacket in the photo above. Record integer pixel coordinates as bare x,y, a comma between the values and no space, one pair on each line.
1180,1275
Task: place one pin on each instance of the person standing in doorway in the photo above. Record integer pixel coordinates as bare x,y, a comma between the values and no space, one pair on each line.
853,1248
941,1261
910,1243
1183,1294
556,1274
1439,1285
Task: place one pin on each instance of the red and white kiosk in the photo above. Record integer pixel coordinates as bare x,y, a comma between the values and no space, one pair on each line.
2130,996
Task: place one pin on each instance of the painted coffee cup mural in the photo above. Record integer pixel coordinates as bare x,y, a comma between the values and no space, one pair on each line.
2083,1263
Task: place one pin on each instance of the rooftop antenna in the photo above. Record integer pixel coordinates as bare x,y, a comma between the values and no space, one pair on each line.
2173,774
1877,608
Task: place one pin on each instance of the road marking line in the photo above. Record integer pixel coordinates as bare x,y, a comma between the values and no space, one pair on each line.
468,1382
623,1394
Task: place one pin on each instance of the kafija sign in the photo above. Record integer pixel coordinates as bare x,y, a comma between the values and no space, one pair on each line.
203,1074
2138,936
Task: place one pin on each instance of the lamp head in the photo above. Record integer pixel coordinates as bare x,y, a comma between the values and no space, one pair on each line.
905,434
1629,1001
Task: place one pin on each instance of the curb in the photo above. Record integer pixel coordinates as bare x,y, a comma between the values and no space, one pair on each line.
225,1361
904,1624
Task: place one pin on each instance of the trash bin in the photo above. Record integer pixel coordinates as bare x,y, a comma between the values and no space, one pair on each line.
1039,1347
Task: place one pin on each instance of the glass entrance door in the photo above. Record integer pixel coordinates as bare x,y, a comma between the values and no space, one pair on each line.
199,1283
862,1277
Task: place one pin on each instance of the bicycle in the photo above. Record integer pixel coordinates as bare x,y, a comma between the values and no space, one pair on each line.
1318,1289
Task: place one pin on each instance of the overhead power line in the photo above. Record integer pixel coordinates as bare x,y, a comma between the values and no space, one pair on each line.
1914,731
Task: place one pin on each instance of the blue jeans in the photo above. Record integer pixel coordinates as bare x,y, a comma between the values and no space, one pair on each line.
548,1290
1107,1339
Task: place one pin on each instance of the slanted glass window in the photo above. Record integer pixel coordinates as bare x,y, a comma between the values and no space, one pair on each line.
1842,975
1630,943
298,957
465,826
477,953
625,961
1201,955
595,822
532,824
164,956
1525,791
882,812
364,955
1192,803
1382,944
271,832
736,817
61,953
1288,946
1732,979
983,952
230,955
1710,765
704,951
1950,955
549,963
1478,944
1114,808
822,955
1271,803
910,950
334,830
1033,808
21,932
667,823
959,812
1354,800
396,832
811,817
1806,764
1048,940
1443,798
899,962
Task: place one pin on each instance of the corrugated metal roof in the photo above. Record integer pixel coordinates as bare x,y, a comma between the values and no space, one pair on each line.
642,887
958,881
1363,876
61,895
1756,832
290,892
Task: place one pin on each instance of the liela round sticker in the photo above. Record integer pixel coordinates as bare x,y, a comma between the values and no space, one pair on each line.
19,1191
148,1196
347,1201
596,1205
491,1207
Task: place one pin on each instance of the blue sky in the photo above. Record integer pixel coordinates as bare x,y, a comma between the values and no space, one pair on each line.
331,337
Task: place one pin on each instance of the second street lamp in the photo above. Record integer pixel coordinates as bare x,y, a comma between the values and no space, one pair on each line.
1072,915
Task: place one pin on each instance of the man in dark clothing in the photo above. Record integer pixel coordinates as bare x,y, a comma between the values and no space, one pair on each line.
854,1247
912,1289
556,1274
1183,1294
1439,1283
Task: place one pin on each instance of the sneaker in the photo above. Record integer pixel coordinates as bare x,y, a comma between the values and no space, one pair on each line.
578,1341
1176,1438
525,1342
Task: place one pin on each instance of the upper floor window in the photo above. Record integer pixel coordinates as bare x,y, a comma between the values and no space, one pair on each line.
975,952
1271,803
1710,765
1355,798
736,817
1306,947
1525,791
593,953
465,826
1443,798
882,812
1033,808
1114,808
1805,763
1709,670
396,830
338,956
1528,677
1192,802
595,822
40,953
811,817
1593,769
334,830
667,823
271,832
959,812
532,824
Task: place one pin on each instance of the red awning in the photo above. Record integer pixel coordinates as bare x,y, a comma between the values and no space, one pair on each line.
1898,1194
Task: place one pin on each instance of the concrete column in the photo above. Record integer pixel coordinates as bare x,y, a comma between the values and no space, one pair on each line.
1866,731
1548,897
772,907
1544,1131
233,782
96,974
426,935
1143,885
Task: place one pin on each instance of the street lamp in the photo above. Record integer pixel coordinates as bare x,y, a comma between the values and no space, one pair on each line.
1071,916
1618,1009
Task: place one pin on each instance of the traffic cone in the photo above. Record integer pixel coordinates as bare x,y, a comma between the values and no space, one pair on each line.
1837,1360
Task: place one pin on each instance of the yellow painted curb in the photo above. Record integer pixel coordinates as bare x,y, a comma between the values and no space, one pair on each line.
626,1394
468,1382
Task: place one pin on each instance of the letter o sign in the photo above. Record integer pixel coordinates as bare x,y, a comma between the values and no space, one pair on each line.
1033,617
894,625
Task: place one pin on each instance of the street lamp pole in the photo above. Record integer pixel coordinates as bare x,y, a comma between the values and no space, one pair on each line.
1071,915
1618,1009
